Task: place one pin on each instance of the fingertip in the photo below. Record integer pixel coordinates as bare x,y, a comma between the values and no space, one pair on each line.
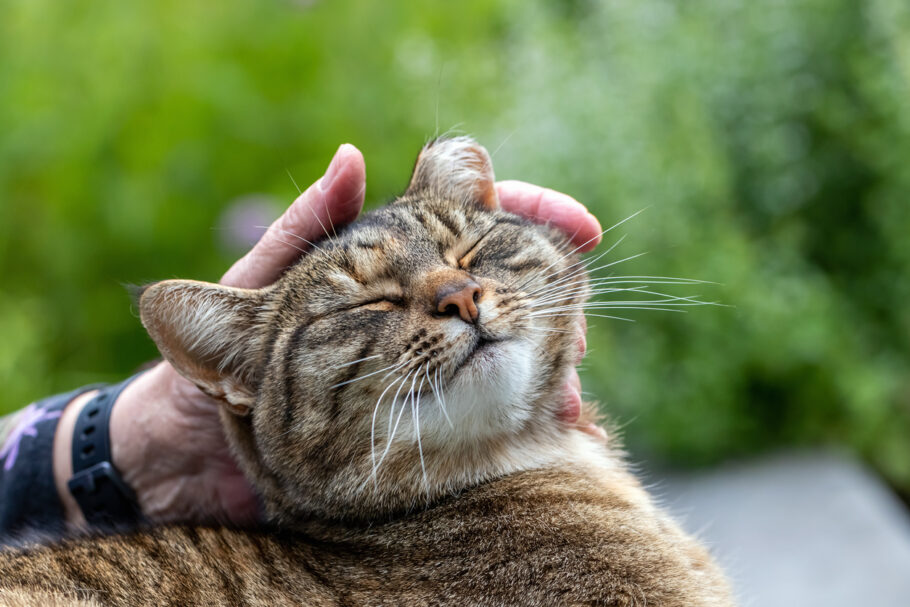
351,159
344,184
570,216
589,234
544,205
334,200
581,342
574,381
595,431
571,405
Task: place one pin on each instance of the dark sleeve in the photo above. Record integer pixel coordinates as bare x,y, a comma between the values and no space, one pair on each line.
28,496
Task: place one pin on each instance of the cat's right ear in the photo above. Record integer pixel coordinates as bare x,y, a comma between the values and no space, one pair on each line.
456,169
210,334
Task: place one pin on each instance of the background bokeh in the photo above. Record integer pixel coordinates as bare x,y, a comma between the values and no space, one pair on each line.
768,142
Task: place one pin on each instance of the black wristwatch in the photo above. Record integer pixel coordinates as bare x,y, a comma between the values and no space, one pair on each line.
96,485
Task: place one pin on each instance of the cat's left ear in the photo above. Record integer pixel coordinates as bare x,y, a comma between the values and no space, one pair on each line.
211,335
456,169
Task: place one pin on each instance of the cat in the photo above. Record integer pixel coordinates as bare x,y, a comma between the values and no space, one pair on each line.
394,399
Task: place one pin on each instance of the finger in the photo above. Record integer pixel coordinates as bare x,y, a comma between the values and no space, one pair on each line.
571,402
594,430
334,200
581,342
543,205
574,381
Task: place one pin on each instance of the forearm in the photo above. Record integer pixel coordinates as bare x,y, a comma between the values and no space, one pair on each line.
36,453
29,498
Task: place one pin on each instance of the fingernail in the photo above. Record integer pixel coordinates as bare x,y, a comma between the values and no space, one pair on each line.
332,172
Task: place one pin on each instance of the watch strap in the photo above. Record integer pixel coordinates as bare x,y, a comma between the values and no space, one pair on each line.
96,485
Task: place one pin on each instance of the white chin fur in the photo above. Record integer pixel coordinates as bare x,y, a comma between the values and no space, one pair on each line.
490,395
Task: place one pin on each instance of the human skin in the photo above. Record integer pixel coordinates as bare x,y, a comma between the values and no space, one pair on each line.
166,436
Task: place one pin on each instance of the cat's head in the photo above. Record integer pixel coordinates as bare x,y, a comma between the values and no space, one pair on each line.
421,350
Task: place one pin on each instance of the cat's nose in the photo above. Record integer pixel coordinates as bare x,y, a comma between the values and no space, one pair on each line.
459,299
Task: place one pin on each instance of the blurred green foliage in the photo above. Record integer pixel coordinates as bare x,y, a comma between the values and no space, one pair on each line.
769,143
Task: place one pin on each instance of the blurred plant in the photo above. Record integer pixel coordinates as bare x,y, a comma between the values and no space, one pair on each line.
768,142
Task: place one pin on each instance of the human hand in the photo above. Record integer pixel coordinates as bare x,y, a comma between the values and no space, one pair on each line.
543,205
166,435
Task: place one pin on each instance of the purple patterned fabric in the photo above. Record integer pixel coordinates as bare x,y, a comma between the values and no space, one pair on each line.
28,495
23,425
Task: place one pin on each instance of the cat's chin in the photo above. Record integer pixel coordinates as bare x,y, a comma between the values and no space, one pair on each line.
491,393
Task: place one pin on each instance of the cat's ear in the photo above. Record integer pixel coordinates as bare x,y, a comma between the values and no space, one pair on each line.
210,334
455,169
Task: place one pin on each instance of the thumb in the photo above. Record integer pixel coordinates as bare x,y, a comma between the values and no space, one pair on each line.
335,199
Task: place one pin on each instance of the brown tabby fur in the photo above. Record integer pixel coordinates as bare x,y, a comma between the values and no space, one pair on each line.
405,456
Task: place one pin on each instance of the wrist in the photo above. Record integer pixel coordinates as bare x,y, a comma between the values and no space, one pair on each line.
127,448
62,458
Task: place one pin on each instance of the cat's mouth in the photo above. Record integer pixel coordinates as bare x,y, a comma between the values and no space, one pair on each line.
484,349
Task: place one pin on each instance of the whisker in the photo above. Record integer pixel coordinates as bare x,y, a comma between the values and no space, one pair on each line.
619,280
504,141
359,360
297,236
577,290
319,221
373,425
591,314
290,245
616,225
415,415
671,278
579,247
350,381
395,399
581,262
550,329
294,181
405,362
328,216
394,430
585,267
437,392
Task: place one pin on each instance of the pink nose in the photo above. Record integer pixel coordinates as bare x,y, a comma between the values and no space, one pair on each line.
459,299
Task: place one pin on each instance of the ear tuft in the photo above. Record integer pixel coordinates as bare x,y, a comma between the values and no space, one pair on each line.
210,334
457,169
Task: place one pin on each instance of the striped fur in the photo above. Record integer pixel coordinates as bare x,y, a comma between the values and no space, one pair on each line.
405,456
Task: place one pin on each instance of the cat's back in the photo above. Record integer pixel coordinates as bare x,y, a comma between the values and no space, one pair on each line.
167,566
545,537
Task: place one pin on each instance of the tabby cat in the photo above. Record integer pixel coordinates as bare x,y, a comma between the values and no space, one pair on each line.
394,399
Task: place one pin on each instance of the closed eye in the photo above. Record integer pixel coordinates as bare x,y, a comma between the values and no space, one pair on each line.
465,260
380,303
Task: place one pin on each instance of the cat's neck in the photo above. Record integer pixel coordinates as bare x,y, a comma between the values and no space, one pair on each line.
374,484
579,460
406,484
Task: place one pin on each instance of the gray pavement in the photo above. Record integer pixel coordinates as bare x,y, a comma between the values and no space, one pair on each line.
799,529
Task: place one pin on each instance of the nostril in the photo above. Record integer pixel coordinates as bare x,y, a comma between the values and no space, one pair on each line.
459,299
